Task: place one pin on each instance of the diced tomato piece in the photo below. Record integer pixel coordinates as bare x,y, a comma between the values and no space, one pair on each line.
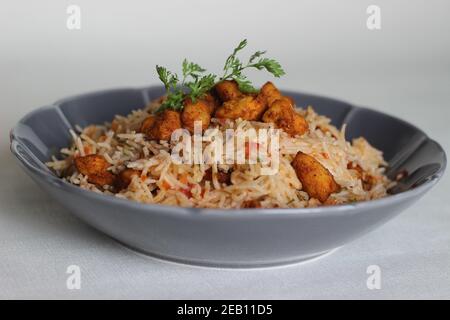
166,185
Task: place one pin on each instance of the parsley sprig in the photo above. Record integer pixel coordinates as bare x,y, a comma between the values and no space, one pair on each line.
195,83
233,67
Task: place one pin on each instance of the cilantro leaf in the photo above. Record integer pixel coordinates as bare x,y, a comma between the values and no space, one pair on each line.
245,85
201,86
167,78
270,65
233,68
257,54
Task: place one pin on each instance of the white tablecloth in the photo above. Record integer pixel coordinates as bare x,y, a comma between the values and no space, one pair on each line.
402,70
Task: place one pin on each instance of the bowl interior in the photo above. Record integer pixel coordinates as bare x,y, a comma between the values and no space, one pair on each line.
407,149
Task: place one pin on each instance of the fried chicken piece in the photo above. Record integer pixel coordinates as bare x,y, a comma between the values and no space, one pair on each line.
147,123
245,107
280,111
268,94
227,90
316,180
192,112
102,179
163,125
212,102
251,204
125,177
95,167
282,114
222,177
298,127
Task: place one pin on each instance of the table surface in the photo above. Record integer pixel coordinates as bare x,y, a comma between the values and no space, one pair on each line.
39,239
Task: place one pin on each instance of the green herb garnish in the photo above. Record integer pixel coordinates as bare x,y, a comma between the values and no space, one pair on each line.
233,67
194,83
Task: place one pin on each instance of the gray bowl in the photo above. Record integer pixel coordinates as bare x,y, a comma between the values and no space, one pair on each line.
228,238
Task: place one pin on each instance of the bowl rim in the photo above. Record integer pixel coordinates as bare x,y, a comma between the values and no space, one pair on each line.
50,178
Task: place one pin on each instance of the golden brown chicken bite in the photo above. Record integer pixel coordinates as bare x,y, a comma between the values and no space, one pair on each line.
95,167
269,93
245,107
282,114
316,180
299,126
222,177
212,102
102,179
280,109
147,123
90,164
165,123
125,177
192,112
249,204
227,90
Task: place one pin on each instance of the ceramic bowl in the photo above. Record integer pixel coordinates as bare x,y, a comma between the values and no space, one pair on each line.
228,238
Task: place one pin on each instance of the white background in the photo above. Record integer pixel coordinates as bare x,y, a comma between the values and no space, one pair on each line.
325,47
